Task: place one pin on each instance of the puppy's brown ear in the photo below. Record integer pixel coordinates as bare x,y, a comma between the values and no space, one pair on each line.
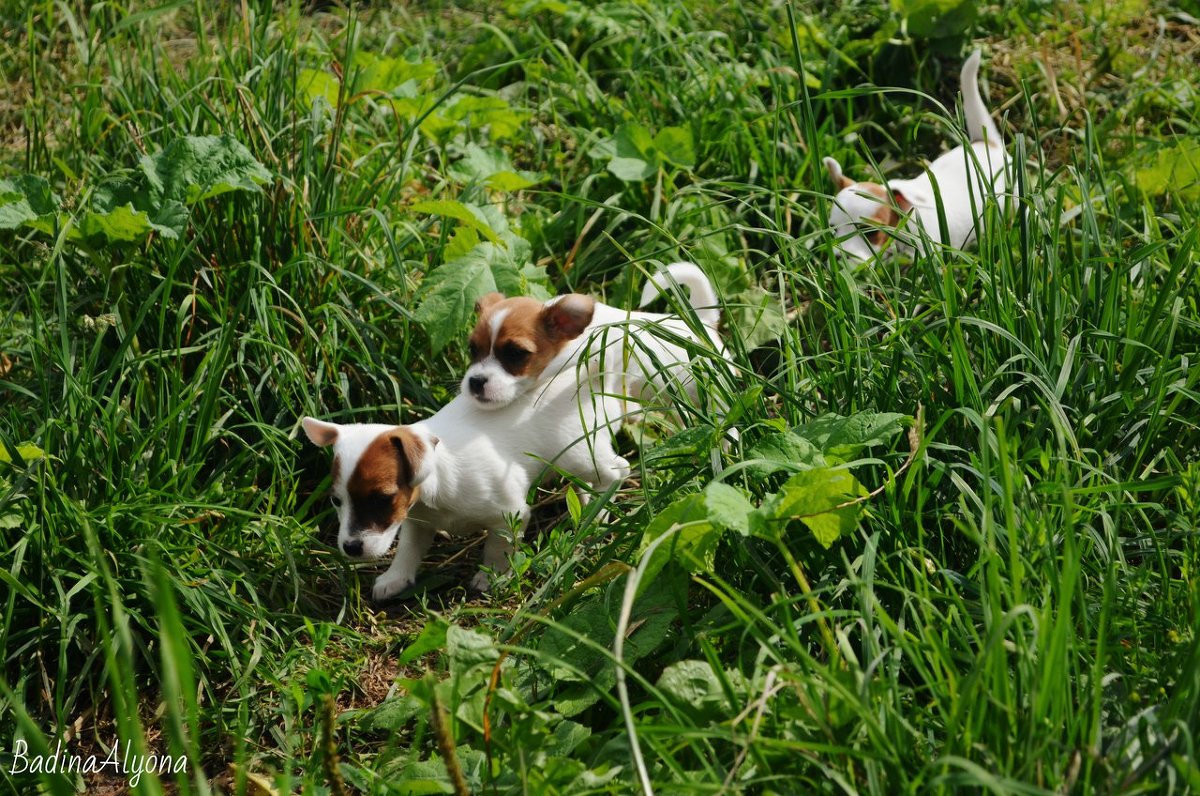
566,318
835,174
321,434
487,300
410,455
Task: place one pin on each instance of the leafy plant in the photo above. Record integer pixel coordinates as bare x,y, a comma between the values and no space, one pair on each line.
189,170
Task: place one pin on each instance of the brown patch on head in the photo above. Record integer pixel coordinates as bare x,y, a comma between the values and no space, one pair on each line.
488,300
887,214
529,334
381,487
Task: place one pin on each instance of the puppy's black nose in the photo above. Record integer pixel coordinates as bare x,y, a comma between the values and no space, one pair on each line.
476,384
353,547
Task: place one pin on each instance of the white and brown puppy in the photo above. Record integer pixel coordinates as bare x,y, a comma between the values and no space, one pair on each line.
460,471
961,181
519,343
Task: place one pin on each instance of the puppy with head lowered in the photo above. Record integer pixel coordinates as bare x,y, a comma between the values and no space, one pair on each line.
518,344
960,183
460,471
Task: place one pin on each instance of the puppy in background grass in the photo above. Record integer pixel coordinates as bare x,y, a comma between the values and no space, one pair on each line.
960,182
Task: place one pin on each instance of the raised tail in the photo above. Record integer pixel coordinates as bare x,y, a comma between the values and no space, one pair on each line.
703,298
980,126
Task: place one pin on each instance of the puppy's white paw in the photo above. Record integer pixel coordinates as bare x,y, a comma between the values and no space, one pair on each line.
482,582
390,584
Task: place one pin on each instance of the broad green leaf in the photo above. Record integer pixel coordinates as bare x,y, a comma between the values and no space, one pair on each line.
450,292
377,73
431,638
367,73
633,158
165,216
684,446
512,180
674,146
314,83
500,263
814,497
468,648
567,736
464,239
589,671
1173,171
26,450
491,167
728,507
758,315
120,224
393,714
26,200
693,541
194,168
936,19
843,437
451,208
694,688
425,109
493,113
514,274
783,450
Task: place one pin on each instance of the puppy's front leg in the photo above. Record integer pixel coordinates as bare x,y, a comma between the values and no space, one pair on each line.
410,550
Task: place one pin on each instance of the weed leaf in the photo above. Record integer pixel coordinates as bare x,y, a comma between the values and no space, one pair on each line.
728,507
814,497
674,145
843,437
194,168
491,166
783,450
450,293
467,214
694,688
26,200
758,316
693,541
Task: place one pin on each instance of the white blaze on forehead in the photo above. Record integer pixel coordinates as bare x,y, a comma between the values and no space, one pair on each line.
496,321
352,441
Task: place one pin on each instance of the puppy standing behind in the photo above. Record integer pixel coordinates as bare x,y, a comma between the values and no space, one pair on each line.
519,343
460,471
965,178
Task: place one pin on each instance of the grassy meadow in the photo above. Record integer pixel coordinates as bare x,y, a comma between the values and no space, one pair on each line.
956,549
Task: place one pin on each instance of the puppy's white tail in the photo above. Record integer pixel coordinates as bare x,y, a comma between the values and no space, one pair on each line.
703,298
980,126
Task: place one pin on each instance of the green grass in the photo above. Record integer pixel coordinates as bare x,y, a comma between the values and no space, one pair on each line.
1016,611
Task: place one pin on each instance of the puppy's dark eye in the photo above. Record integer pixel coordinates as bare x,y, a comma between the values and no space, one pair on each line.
377,503
473,351
337,501
512,355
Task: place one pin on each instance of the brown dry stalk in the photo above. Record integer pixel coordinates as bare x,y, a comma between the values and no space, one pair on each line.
333,770
445,743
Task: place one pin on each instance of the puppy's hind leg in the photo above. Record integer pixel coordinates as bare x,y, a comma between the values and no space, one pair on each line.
607,469
410,550
498,548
